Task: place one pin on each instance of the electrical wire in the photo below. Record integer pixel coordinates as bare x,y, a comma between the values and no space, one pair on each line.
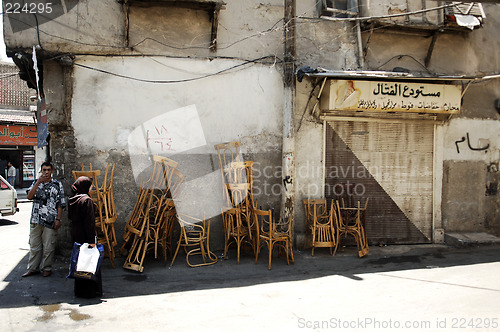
171,81
273,28
399,56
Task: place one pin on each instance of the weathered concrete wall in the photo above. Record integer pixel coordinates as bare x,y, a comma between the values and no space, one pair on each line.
87,26
106,109
470,182
462,178
320,43
324,43
466,173
247,29
92,114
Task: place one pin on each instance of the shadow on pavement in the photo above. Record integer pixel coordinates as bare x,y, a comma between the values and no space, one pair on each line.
159,278
7,222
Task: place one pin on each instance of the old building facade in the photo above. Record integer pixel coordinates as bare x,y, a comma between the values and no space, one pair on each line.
124,80
18,130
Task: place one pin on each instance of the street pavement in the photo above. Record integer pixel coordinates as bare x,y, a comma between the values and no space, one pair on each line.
394,288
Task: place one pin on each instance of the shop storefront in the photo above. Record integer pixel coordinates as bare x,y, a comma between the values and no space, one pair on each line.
17,145
379,144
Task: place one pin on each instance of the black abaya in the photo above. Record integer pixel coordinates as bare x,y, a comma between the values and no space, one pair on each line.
81,212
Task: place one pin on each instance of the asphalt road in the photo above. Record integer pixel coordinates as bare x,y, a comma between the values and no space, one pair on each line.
394,288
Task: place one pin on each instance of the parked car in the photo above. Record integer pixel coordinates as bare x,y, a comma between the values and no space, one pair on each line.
8,198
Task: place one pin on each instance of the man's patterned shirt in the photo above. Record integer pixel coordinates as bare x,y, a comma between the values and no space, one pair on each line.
48,197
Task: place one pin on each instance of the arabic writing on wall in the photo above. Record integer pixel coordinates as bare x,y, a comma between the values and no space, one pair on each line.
18,135
159,136
391,96
482,148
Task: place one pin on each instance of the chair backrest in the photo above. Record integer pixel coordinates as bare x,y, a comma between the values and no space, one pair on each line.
94,193
174,179
349,216
227,153
338,216
193,229
231,219
264,221
285,226
239,172
315,209
240,195
165,161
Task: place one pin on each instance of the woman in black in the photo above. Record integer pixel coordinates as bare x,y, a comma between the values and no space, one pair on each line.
81,212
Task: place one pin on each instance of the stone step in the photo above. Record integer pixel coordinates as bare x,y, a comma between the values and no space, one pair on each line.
461,239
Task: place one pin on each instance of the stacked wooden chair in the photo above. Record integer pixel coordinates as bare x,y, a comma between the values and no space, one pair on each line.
237,183
227,153
351,221
150,224
105,210
321,225
273,234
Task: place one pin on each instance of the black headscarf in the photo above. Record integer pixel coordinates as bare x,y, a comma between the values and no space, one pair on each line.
81,185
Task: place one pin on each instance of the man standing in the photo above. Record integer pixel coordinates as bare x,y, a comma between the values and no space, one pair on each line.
11,174
48,202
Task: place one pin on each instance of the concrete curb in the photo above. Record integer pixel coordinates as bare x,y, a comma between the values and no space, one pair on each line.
470,239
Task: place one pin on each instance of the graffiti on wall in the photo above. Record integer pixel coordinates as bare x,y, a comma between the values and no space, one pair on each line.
159,135
464,139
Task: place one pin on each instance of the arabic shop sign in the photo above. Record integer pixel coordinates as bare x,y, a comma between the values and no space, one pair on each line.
391,97
18,135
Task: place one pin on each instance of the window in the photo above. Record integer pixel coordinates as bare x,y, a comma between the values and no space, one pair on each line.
469,15
177,26
339,8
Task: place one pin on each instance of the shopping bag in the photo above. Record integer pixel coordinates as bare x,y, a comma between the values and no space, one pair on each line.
83,269
87,258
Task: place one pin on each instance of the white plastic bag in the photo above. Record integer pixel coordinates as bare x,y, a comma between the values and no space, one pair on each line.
87,259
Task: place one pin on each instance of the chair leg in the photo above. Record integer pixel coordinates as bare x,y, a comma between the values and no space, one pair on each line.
291,253
176,250
270,247
226,247
238,249
286,253
257,252
313,241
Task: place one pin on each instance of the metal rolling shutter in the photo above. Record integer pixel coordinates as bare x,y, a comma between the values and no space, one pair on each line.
391,163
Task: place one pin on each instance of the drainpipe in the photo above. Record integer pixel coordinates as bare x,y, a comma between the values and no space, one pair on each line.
361,55
288,163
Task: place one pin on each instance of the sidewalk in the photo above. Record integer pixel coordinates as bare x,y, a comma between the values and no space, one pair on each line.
21,194
397,288
424,284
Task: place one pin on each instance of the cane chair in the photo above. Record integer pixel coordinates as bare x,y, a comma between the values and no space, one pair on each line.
321,225
273,235
195,238
350,221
